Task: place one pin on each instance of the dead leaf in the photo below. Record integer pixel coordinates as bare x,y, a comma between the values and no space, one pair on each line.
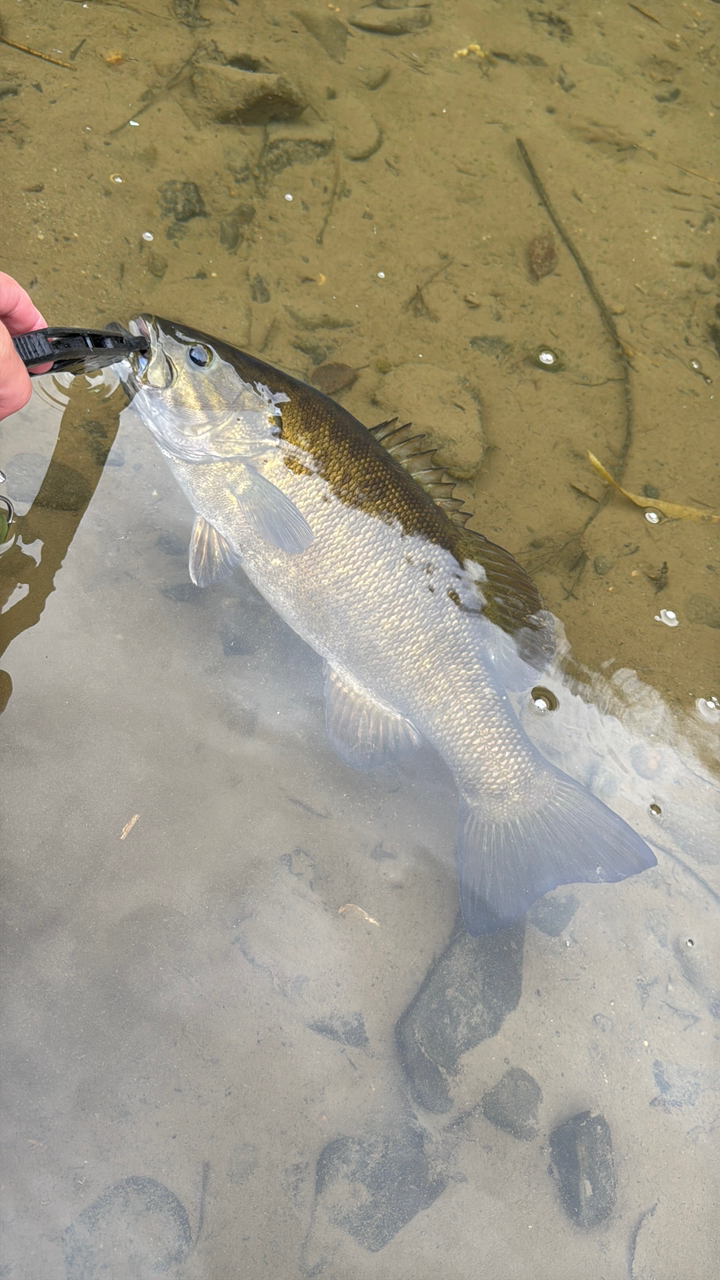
354,906
129,826
671,510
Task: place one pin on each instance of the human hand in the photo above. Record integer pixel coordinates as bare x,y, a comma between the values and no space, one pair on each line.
18,314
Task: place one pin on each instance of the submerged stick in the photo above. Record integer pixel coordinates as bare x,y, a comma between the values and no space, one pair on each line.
603,310
610,328
36,54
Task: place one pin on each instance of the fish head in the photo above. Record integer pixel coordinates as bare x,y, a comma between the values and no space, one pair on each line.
194,401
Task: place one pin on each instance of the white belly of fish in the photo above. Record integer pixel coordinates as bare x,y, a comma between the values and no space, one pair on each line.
374,603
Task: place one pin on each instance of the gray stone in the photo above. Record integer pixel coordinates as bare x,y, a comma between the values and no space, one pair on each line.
232,95
372,77
233,224
259,291
357,133
327,29
677,1086
466,996
582,1160
156,264
513,1104
299,143
348,1030
392,22
138,1226
491,345
181,201
186,12
372,1187
552,914
703,611
10,86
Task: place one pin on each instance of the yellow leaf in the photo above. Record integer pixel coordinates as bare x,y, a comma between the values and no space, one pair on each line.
671,510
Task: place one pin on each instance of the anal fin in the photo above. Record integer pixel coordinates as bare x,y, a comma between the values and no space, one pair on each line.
211,558
364,732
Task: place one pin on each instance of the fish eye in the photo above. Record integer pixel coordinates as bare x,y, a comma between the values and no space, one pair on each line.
200,356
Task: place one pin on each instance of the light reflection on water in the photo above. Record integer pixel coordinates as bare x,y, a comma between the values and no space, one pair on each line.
250,1022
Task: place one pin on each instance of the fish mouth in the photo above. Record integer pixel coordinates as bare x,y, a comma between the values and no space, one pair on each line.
149,368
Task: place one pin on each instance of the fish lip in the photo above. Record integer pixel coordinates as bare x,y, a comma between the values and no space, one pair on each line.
139,360
140,328
143,362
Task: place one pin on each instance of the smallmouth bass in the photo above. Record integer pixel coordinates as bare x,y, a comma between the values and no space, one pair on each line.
354,538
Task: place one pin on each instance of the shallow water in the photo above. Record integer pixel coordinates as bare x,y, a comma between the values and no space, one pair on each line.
244,1035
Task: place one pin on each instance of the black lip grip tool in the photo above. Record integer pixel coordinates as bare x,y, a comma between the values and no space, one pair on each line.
77,350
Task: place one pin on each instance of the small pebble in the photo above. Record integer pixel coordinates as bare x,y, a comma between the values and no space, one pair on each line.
703,611
181,201
330,378
391,22
542,255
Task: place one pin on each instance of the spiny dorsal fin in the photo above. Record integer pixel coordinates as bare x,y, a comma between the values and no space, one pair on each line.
407,446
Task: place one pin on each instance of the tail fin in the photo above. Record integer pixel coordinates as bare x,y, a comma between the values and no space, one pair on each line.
504,867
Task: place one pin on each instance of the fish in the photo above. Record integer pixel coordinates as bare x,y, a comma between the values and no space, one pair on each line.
354,536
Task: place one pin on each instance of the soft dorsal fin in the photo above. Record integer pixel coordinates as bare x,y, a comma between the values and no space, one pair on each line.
513,601
408,447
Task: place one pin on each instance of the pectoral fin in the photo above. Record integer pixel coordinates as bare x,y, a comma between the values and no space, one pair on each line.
363,731
272,514
211,557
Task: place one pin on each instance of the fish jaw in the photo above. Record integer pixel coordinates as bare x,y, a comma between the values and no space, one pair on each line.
194,402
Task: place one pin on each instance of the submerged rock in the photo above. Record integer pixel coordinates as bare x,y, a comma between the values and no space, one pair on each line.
513,1104
298,143
582,1158
232,95
703,611
330,378
327,29
552,914
348,1029
372,1187
392,22
465,998
182,201
137,1227
357,133
233,224
186,12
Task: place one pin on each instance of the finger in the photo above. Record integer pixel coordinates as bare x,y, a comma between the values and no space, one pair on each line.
15,385
17,310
